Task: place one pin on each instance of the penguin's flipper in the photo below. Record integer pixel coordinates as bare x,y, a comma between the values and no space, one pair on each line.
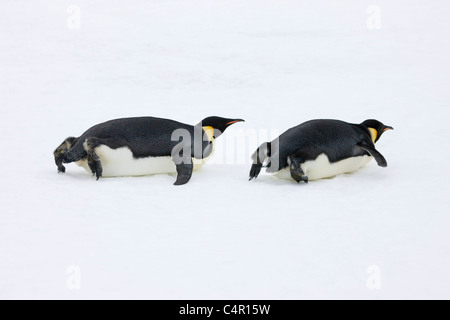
61,152
184,172
92,158
182,158
254,171
259,157
94,164
374,153
295,167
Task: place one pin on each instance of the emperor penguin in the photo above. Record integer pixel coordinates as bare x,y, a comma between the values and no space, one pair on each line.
143,146
320,149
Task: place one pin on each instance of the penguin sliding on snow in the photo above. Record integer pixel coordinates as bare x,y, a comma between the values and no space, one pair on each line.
143,146
320,149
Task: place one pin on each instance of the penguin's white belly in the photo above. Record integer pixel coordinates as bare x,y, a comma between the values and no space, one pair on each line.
121,162
322,168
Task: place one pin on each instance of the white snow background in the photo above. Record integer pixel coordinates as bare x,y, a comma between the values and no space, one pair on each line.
274,63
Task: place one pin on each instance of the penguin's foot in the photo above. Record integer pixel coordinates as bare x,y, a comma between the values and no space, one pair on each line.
299,178
297,174
305,179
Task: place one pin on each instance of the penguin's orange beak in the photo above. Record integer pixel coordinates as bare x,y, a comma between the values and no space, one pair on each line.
234,121
387,129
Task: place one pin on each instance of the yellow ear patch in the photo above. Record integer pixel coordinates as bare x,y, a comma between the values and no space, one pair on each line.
373,134
209,132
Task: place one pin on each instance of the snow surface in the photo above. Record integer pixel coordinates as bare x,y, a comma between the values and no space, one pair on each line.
274,63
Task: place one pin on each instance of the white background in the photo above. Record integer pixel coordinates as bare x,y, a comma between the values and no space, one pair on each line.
274,63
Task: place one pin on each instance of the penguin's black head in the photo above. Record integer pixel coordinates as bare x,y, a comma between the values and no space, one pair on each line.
219,124
376,129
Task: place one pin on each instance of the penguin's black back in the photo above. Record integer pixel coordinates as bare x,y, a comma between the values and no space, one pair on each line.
144,136
337,139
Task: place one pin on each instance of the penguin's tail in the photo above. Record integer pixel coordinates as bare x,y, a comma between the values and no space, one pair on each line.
261,158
